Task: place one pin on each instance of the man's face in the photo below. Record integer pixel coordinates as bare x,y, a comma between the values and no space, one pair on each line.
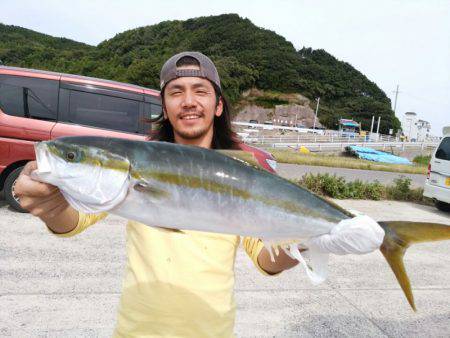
190,105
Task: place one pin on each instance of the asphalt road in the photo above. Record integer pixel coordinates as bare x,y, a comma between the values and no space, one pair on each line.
54,287
295,171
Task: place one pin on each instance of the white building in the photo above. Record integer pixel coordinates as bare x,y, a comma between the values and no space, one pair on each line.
423,130
415,129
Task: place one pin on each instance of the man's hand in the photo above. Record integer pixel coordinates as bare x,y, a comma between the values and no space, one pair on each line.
282,261
44,201
357,235
40,199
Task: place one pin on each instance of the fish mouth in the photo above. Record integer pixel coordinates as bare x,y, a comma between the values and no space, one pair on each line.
42,158
87,187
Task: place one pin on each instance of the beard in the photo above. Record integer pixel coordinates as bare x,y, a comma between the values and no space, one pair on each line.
193,133
196,131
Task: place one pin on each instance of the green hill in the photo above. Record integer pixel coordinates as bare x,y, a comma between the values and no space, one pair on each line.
26,48
246,56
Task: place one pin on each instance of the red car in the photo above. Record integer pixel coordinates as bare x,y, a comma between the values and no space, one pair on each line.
39,105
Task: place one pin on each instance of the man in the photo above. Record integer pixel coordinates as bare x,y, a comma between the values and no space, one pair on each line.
175,284
181,284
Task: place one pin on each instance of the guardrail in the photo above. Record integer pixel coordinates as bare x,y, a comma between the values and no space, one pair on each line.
313,135
341,145
313,139
277,127
322,139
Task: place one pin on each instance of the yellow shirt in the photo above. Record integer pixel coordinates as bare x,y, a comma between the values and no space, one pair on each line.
177,284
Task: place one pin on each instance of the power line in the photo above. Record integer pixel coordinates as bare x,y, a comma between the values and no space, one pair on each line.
422,99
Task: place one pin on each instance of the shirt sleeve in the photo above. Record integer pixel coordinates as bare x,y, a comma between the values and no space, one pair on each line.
84,222
253,247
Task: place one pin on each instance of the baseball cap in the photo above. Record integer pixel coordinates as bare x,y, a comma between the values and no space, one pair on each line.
207,70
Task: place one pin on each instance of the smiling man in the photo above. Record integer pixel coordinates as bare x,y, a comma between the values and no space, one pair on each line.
176,284
190,106
195,112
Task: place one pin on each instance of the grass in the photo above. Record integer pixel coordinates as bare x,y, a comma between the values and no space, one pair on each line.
289,156
422,160
336,187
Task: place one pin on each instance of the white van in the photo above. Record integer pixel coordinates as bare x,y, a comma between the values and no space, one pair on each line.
437,185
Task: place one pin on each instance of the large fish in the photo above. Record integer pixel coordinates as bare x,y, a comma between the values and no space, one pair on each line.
189,188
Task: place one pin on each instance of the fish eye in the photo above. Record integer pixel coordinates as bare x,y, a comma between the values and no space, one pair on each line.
70,156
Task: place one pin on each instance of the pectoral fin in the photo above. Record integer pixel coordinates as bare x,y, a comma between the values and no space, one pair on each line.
153,191
157,193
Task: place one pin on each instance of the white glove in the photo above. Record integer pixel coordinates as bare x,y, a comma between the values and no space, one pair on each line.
357,235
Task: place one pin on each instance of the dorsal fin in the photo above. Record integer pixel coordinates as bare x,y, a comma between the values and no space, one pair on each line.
243,156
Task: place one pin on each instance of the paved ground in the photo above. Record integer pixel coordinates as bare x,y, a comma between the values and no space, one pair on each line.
294,171
52,287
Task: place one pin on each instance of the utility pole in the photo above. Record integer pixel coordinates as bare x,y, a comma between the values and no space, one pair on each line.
317,109
378,126
395,102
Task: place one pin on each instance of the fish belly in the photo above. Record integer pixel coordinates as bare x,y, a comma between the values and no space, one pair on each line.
197,209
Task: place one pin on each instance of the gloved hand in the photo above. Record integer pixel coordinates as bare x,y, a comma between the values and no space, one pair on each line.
357,235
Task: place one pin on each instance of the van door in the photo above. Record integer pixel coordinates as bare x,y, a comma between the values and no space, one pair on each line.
440,165
28,107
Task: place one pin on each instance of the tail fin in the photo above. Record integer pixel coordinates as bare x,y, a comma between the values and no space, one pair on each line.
399,236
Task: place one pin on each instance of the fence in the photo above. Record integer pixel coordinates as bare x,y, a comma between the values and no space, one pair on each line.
311,138
323,146
323,139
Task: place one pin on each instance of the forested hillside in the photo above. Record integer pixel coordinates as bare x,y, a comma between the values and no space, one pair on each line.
246,56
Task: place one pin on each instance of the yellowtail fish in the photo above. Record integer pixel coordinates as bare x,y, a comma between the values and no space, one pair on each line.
189,188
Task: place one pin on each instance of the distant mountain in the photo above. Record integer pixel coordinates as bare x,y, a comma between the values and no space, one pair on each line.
246,56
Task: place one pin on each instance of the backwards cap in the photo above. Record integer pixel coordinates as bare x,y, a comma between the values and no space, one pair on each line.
207,69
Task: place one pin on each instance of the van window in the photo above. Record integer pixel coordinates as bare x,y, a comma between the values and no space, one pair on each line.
28,97
443,152
152,111
104,111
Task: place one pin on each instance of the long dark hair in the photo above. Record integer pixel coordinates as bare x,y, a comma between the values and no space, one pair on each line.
223,135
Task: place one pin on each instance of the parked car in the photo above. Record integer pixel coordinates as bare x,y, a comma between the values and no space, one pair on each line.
39,105
437,185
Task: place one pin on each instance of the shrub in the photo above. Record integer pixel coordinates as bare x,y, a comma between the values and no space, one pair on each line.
401,191
325,184
422,159
336,187
269,102
364,190
374,191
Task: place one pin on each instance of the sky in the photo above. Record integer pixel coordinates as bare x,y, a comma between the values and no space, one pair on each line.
392,42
